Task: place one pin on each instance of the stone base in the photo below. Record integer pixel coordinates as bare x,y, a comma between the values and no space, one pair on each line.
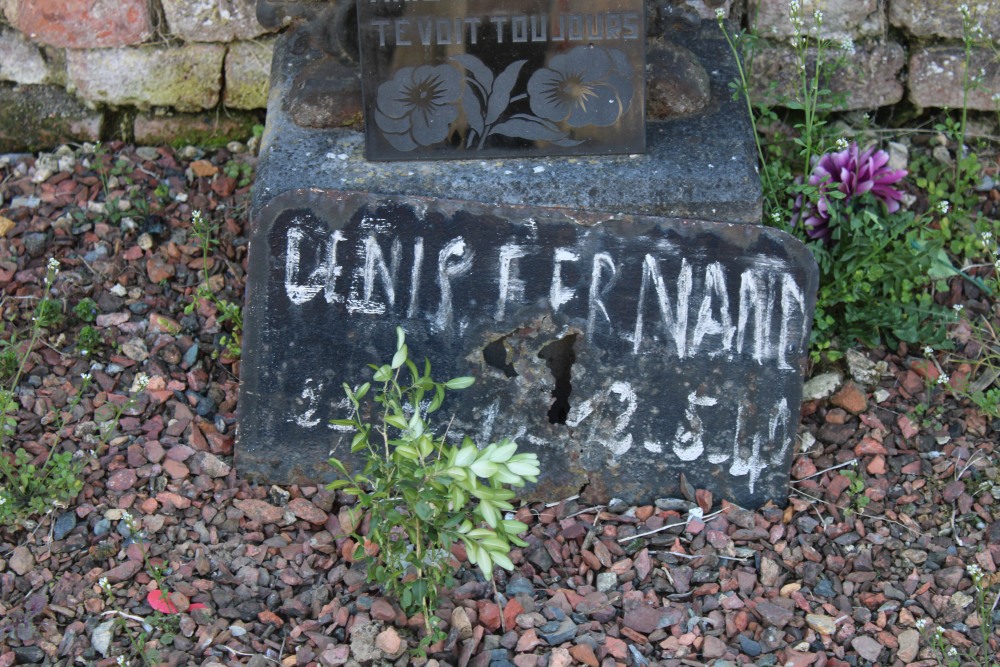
702,165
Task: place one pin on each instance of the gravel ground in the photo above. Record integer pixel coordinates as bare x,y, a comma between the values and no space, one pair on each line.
846,574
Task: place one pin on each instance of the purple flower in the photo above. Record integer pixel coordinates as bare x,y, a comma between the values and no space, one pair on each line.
852,173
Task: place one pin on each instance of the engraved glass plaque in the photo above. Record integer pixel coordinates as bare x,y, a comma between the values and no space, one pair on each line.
480,78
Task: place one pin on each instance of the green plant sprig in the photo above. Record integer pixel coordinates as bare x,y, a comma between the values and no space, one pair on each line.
423,494
204,232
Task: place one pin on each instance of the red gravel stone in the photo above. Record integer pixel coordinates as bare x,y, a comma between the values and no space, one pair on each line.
305,510
122,480
260,511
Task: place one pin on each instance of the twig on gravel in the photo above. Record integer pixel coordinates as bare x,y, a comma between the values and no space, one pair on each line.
235,652
968,464
741,559
564,500
586,511
954,530
115,612
707,517
820,472
861,513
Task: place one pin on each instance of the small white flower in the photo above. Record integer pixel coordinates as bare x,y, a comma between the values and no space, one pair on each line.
126,517
958,307
987,236
943,378
141,381
847,44
121,661
842,144
720,13
818,15
922,624
963,9
944,206
952,652
53,265
928,351
3,500
776,216
85,377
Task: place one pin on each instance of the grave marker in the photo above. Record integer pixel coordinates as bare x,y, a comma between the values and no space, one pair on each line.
611,327
622,349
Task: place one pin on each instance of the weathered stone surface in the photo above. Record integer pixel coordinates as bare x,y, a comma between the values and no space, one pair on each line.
942,18
35,117
326,93
188,78
870,77
622,349
706,9
207,129
840,18
212,20
20,60
82,24
677,83
937,73
248,70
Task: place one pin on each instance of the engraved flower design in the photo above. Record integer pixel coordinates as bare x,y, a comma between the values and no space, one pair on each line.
417,107
588,85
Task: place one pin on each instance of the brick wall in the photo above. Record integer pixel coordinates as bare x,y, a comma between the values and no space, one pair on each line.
157,69
897,49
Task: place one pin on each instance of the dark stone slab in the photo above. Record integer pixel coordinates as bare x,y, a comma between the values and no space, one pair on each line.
521,78
699,161
622,349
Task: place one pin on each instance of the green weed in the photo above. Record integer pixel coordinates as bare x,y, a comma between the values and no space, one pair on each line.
422,493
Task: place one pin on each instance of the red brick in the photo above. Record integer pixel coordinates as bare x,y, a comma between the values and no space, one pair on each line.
83,24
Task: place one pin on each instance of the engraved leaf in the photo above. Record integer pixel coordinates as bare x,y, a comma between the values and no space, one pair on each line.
500,97
473,111
527,127
480,72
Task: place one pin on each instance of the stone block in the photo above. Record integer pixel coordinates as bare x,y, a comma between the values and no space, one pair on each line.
937,74
206,129
248,70
706,8
20,60
840,18
701,165
187,78
82,24
623,350
40,117
942,18
869,77
212,20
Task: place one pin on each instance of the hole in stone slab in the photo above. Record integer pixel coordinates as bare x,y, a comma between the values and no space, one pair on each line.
495,354
559,357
